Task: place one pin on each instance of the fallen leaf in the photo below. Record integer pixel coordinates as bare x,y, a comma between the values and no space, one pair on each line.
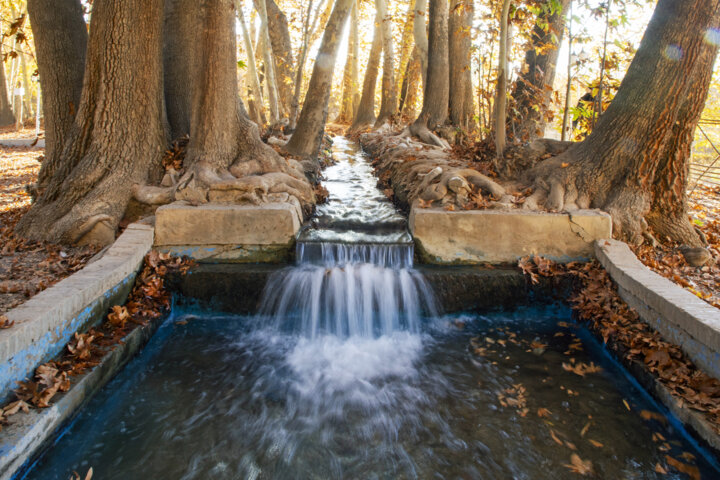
689,470
580,466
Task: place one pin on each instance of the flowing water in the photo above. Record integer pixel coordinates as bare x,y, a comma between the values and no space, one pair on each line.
350,372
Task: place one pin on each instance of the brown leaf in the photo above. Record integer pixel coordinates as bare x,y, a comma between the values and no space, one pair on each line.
580,466
690,470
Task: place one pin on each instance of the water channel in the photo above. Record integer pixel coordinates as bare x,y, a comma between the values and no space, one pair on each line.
350,370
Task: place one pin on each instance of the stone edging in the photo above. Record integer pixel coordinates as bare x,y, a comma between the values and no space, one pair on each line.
45,323
679,316
30,432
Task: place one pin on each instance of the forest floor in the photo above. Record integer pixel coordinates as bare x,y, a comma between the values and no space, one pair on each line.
27,268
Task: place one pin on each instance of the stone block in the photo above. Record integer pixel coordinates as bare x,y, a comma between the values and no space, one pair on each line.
504,236
219,226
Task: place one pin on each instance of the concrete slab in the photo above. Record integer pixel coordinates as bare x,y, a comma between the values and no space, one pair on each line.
228,233
504,236
46,322
680,316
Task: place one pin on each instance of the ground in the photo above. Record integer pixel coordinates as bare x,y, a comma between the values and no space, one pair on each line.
27,268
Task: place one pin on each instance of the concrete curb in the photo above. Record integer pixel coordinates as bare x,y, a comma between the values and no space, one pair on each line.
45,323
29,433
680,316
23,142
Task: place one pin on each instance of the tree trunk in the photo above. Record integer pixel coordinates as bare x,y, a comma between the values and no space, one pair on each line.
437,91
118,133
6,114
461,100
350,74
307,139
533,90
407,48
410,86
269,64
619,166
420,34
388,104
179,63
501,89
309,27
255,99
668,216
60,45
226,161
365,114
282,53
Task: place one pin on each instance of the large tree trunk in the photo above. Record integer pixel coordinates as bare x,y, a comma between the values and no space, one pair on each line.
309,26
461,99
118,133
365,114
226,161
533,90
437,91
500,106
388,104
350,74
307,138
619,166
60,45
282,53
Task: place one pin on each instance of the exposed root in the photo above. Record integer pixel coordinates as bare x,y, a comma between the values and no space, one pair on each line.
423,133
427,173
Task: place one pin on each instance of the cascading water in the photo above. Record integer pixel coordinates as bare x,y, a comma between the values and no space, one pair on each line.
354,274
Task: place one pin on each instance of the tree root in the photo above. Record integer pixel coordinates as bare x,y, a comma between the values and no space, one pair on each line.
426,173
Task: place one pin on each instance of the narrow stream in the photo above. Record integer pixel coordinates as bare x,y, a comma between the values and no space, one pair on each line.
350,372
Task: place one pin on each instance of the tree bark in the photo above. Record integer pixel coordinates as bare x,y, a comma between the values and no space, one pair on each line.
668,216
462,107
437,91
618,166
350,74
309,27
307,138
60,45
179,63
6,114
118,133
407,47
533,90
365,114
388,104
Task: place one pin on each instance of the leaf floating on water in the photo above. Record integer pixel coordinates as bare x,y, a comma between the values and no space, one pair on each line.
582,368
555,437
627,405
660,469
585,429
580,466
543,412
595,443
648,415
690,470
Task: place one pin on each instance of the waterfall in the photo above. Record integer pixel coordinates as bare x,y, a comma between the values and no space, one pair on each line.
354,273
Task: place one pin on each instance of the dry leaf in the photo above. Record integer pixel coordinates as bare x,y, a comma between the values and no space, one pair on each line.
580,466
